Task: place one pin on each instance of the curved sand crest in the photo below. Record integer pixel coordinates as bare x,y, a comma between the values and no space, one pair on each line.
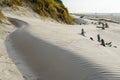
52,62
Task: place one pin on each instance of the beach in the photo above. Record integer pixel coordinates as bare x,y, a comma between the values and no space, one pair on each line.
46,49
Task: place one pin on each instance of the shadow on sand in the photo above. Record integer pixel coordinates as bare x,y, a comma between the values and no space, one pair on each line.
49,61
18,23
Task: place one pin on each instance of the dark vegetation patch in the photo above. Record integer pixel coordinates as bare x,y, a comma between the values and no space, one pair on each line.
46,8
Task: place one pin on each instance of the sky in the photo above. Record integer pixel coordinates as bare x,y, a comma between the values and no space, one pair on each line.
92,6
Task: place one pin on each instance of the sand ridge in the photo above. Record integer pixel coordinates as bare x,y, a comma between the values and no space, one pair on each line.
58,51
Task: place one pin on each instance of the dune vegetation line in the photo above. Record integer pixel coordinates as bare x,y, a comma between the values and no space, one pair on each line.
46,8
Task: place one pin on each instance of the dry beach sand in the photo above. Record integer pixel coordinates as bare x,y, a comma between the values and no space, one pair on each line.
46,50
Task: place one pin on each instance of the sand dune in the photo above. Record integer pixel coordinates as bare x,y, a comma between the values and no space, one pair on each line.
57,52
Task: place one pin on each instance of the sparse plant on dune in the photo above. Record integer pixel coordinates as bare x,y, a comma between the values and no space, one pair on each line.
1,16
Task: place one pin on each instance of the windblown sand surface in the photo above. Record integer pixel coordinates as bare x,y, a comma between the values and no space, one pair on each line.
47,50
8,70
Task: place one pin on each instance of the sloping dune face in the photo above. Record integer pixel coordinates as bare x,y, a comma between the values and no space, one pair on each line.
43,54
51,62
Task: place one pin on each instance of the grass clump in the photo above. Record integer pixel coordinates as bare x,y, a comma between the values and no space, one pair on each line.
11,2
52,8
47,8
1,16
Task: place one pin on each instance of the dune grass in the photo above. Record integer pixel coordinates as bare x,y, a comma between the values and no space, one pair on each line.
11,2
1,17
53,9
46,8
